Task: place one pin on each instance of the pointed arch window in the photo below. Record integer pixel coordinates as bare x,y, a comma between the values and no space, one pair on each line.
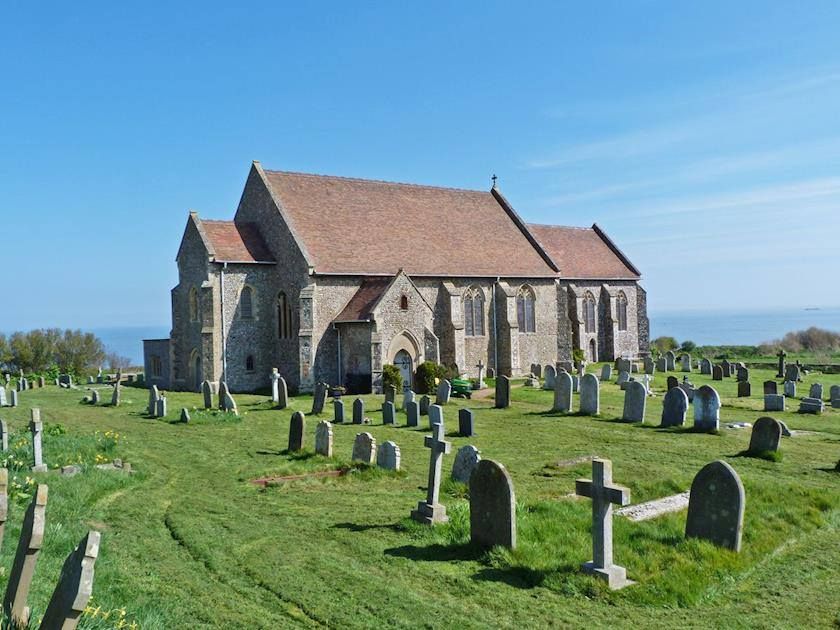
249,363
589,312
246,303
284,317
403,302
621,304
525,316
193,304
474,312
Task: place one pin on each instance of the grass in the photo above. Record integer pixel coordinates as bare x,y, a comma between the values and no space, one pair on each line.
189,542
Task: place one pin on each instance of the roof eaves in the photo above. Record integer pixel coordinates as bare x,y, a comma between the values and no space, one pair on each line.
500,198
616,250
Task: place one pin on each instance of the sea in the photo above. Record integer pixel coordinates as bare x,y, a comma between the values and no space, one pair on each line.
702,327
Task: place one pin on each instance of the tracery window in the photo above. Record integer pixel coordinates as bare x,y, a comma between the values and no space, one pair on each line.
589,312
622,311
284,317
474,312
525,302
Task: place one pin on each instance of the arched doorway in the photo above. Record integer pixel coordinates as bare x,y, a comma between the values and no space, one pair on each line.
593,351
405,364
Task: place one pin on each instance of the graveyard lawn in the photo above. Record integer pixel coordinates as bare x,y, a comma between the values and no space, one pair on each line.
189,542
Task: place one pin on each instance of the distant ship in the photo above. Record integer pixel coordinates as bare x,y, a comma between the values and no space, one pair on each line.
812,308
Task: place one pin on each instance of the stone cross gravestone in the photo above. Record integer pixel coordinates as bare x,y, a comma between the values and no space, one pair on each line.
425,401
75,585
466,459
590,395
207,393
770,387
563,387
26,556
716,506
297,426
706,409
338,411
358,411
412,414
502,392
36,427
766,435
492,506
364,448
444,391
319,398
550,376
431,511
674,408
782,354
604,494
635,400
388,412
388,456
324,439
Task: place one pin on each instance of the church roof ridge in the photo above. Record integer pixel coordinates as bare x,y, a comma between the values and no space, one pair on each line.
384,182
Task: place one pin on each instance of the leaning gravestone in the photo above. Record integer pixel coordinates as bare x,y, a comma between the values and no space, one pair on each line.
550,375
207,393
425,401
766,435
364,448
296,429
674,408
606,372
75,586
717,373
412,413
358,411
388,412
635,399
706,409
338,411
154,396
774,402
502,392
319,398
716,506
466,459
116,395
466,423
444,391
816,391
388,456
563,387
324,439
23,567
185,415
228,403
590,395
492,506
744,389
770,387
94,397
705,366
623,377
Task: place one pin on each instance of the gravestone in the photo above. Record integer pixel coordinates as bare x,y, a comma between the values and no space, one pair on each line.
388,412
685,361
689,390
435,415
388,456
444,391
782,354
4,501
364,448
792,373
491,372
635,399
279,390
324,439
94,397
811,405
408,396
13,399
834,396
670,361
23,567
603,494
706,409
563,387
425,401
338,411
116,395
623,365
412,413
674,408
661,364
431,511
726,366
297,426
207,393
590,395
390,394
550,376
672,382
743,374
606,373
575,383
744,389
766,435
790,389
774,402
75,585
2,396
36,428
623,377
466,459
705,366
717,373
185,415
319,398
770,387
502,392
4,435
480,384
716,506
492,506
160,408
358,411
154,396
466,423
650,366
816,391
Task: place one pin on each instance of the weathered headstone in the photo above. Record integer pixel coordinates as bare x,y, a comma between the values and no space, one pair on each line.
425,401
549,376
412,414
207,393
603,493
358,411
492,506
606,372
154,396
790,389
744,389
324,439
766,435
742,374
811,405
717,373
770,387
160,408
502,392
575,383
726,366
705,366
94,397
390,393
466,423
388,412
590,395
774,402
672,382
36,428
75,586
466,459
431,511
650,366
408,396
670,361
674,408
388,456
706,409
364,448
792,373
623,377
635,400
4,435
297,427
23,567
685,362
13,399
2,396
563,387
338,410
444,391
834,396
319,398
716,506
4,501
661,364
816,391
116,395
279,390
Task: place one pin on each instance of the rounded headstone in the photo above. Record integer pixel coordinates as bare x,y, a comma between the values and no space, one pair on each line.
716,506
492,506
674,407
766,435
466,459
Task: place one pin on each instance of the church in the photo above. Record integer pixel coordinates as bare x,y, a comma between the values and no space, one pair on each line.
331,278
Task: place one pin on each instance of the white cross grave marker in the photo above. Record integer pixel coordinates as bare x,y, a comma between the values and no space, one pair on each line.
430,511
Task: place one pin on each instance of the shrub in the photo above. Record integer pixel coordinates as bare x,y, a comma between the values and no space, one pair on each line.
391,375
688,346
577,356
424,378
663,344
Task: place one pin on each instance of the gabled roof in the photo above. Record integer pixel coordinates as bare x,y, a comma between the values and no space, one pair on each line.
367,227
361,305
236,242
584,253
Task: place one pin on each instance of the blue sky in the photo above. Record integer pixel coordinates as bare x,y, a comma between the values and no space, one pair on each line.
702,137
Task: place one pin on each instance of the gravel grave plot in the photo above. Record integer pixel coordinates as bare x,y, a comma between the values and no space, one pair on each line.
657,507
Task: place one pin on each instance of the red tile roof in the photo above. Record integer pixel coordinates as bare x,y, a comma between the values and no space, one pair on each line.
583,252
368,227
236,242
361,305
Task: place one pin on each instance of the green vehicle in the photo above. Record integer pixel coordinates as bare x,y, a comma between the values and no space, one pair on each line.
461,387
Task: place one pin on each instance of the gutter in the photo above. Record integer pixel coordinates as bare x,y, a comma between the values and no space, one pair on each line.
495,330
224,332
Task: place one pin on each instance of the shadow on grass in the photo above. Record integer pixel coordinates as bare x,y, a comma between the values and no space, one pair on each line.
518,577
561,414
356,527
658,537
770,456
436,552
266,452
